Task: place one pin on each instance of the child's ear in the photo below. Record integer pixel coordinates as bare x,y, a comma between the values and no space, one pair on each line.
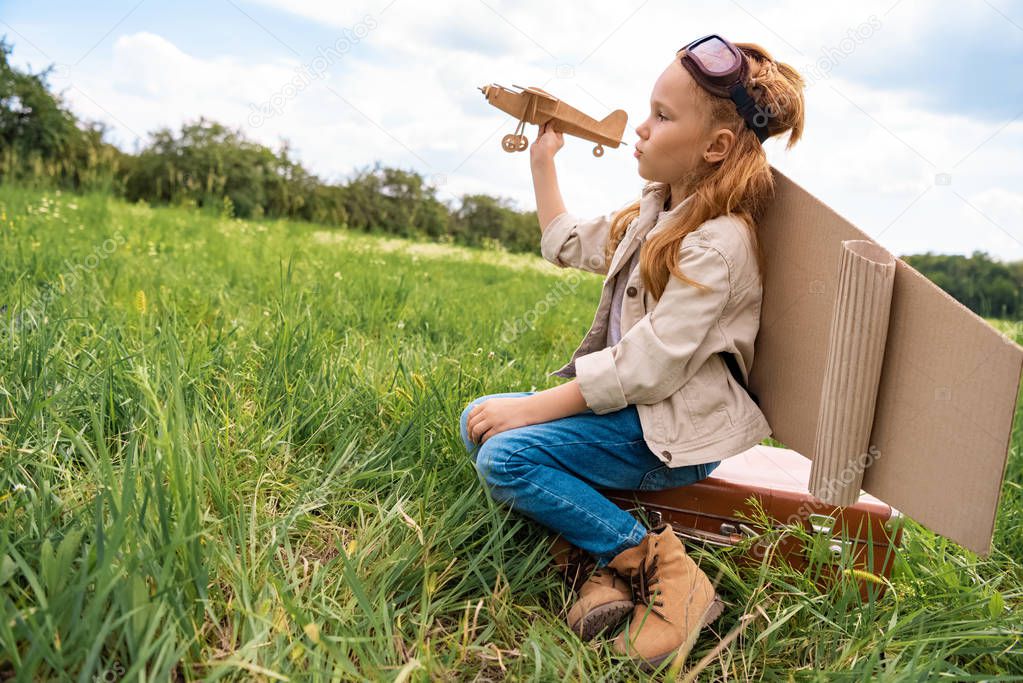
719,146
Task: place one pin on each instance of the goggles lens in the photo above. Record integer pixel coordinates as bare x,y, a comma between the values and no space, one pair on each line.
714,56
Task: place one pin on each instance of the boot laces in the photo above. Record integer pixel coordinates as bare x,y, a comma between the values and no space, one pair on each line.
642,581
580,567
577,567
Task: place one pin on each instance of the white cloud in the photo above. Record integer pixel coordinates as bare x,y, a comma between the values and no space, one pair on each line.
410,83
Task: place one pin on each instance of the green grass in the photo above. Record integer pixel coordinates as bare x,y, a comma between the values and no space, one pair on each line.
230,451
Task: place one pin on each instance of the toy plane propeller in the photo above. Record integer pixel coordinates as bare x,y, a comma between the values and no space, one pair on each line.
537,106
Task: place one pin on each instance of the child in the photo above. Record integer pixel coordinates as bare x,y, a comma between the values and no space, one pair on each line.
652,403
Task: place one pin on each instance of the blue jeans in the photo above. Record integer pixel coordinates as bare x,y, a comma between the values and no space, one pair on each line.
549,472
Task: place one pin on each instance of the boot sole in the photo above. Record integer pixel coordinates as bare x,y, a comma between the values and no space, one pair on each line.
713,612
601,618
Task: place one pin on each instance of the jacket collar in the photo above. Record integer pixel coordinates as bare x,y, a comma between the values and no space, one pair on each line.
651,204
650,221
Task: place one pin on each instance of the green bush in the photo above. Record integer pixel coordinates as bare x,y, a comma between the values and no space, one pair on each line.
206,164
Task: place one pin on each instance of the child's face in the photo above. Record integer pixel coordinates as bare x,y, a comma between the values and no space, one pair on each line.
675,135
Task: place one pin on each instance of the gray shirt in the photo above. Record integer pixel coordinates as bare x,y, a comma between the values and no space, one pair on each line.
614,326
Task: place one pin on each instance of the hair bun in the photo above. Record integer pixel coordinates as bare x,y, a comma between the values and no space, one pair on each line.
766,70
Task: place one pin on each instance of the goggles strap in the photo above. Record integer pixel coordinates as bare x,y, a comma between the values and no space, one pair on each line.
749,111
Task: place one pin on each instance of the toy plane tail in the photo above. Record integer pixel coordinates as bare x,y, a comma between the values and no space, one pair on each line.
615,121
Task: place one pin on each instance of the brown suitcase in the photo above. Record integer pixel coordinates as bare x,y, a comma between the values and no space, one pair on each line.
862,538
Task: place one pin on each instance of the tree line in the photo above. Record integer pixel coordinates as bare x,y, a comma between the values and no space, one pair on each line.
986,286
210,166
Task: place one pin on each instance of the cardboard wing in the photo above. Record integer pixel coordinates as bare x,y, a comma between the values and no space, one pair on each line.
931,388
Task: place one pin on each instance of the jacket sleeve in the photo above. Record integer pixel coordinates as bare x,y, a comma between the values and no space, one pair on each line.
665,348
569,241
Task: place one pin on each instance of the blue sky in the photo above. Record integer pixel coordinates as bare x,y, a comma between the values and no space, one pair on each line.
902,92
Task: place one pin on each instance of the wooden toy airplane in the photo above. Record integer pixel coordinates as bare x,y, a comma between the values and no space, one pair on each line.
537,106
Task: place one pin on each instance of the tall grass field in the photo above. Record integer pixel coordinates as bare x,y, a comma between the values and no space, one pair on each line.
230,451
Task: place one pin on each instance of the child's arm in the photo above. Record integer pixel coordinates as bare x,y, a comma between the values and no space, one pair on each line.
549,203
563,400
499,414
565,240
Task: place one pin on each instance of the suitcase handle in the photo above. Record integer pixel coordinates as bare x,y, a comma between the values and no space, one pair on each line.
709,537
741,529
731,534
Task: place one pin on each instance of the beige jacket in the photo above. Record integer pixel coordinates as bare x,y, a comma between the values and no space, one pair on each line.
691,408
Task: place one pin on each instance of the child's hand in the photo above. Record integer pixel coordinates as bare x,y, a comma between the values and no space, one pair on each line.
548,142
496,415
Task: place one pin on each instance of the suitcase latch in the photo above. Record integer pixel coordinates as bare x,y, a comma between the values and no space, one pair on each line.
822,524
838,547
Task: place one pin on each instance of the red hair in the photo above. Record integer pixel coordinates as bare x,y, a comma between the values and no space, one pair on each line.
741,184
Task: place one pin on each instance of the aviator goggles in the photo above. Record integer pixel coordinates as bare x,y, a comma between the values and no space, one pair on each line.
721,68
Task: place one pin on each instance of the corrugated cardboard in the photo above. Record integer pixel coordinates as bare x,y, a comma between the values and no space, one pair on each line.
859,330
948,386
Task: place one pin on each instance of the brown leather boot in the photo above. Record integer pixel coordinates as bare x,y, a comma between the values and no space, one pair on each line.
604,598
570,562
674,598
